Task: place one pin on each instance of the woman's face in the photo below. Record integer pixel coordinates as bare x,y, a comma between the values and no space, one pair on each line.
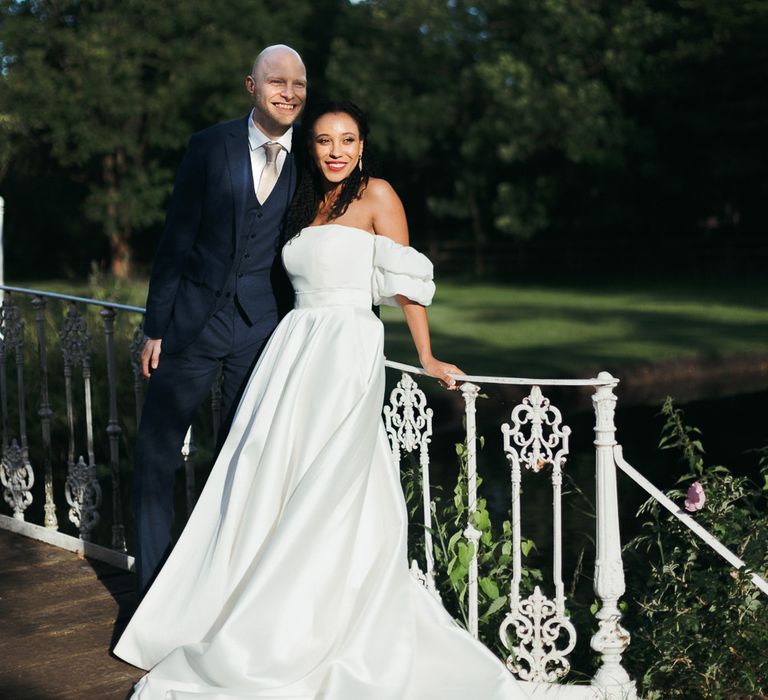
336,145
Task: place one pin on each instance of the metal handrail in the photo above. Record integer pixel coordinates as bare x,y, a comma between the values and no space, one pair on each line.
69,297
604,379
686,519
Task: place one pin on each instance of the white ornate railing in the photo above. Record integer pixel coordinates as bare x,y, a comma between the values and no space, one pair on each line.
536,630
535,439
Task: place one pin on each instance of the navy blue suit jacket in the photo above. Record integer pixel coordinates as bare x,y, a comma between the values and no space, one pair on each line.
198,247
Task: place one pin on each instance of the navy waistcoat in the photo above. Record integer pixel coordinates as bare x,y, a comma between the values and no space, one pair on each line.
252,281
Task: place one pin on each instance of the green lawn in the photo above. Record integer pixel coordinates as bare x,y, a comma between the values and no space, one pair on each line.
524,330
527,330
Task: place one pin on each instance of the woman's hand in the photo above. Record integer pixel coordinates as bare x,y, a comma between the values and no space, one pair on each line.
441,370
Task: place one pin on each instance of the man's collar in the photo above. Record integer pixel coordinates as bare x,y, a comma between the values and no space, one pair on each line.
257,138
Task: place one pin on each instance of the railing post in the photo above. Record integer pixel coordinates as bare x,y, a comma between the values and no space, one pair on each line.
16,474
137,344
544,635
113,431
45,412
470,392
187,450
611,639
82,488
412,430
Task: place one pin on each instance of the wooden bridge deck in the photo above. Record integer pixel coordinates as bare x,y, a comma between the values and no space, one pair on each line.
59,617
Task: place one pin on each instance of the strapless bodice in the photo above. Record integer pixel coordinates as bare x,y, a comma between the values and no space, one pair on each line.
330,265
337,265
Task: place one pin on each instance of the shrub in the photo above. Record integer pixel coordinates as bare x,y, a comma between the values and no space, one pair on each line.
700,629
453,553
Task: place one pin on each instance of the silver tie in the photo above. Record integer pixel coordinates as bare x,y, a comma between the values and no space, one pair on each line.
269,173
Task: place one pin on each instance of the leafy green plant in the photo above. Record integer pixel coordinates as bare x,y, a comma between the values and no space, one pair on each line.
700,629
453,553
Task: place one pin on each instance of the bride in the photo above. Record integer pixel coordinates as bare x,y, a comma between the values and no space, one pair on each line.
291,579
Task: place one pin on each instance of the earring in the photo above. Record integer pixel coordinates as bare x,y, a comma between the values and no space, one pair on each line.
360,162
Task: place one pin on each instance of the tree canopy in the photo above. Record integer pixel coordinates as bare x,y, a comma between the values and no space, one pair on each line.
518,132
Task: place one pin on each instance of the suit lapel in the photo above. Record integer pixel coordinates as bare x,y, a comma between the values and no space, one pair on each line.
240,174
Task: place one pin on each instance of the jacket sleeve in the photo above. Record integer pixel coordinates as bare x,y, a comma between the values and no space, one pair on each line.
182,224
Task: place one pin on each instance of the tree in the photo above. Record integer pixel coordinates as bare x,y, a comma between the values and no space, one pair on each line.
570,131
564,120
115,89
485,104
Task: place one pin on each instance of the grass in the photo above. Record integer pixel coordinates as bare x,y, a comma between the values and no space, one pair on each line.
527,330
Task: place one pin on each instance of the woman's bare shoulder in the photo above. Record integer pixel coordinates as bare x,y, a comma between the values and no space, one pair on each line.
380,191
386,211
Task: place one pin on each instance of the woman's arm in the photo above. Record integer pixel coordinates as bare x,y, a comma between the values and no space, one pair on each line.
389,220
416,318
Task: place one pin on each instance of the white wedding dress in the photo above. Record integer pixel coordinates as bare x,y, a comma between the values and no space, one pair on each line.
291,579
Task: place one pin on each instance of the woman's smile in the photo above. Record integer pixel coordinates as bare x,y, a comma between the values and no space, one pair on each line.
337,146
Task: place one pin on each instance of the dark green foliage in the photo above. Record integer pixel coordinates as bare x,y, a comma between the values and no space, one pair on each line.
111,91
517,131
700,629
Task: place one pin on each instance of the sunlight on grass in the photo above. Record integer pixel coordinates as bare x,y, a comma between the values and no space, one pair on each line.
529,330
536,331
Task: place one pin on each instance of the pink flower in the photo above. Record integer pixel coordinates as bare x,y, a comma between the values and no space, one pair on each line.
695,498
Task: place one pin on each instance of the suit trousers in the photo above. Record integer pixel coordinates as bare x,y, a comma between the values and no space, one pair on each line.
177,389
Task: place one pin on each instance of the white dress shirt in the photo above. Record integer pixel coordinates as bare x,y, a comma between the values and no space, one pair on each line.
256,139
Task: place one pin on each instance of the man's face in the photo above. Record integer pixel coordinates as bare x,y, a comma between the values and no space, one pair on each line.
278,89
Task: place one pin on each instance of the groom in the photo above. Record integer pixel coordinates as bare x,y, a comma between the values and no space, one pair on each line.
217,286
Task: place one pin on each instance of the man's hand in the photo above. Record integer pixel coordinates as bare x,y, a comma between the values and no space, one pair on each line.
150,355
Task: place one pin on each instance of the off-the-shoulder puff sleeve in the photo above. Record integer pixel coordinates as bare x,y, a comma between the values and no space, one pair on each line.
399,269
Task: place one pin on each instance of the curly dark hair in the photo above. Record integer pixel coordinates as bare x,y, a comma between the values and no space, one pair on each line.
309,192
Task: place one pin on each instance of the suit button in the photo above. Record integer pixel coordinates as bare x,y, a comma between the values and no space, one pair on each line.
231,256
253,235
228,294
259,214
239,275
247,255
218,292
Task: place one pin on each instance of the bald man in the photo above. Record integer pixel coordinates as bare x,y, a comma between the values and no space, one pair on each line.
217,287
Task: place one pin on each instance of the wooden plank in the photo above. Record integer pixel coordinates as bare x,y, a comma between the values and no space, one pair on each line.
60,615
61,540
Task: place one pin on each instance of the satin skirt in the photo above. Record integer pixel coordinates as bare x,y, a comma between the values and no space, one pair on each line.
291,579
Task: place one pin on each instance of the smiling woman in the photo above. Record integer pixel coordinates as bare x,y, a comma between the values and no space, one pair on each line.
339,170
338,146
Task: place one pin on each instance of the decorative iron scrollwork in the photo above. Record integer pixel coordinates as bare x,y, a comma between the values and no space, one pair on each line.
408,422
83,494
17,478
544,634
74,338
547,441
412,429
11,326
137,344
538,627
16,472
